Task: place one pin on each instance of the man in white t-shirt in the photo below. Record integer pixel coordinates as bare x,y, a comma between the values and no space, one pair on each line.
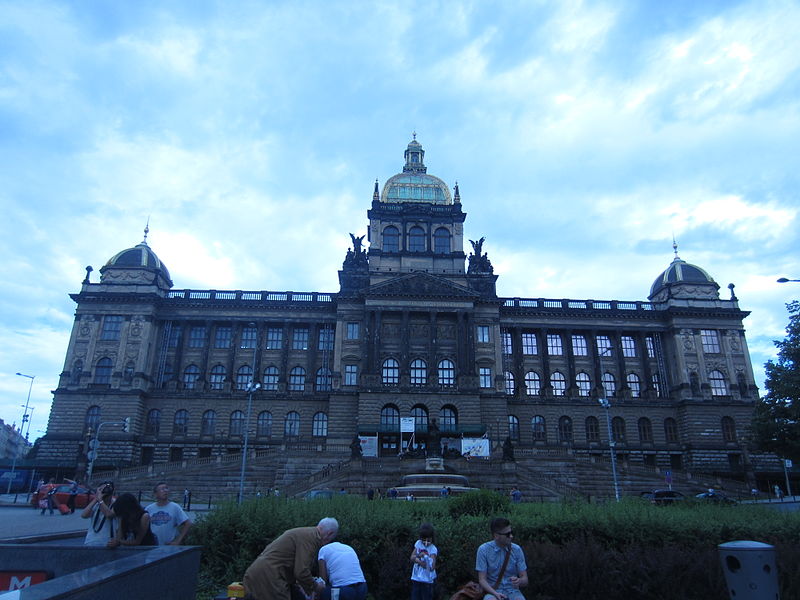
339,567
167,520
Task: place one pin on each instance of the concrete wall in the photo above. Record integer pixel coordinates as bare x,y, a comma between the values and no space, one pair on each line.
81,573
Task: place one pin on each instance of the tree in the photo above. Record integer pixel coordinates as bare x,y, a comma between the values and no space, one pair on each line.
776,424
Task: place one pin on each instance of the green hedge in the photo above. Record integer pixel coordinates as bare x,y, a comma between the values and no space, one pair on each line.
574,550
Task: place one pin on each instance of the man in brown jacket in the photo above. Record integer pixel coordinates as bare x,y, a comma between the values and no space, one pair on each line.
287,561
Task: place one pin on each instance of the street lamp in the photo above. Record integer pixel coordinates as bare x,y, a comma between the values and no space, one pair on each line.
251,388
24,418
603,400
786,280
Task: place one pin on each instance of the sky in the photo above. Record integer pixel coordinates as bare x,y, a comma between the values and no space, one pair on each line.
583,137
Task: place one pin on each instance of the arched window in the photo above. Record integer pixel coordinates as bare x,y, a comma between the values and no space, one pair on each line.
390,418
447,373
92,420
420,414
297,379
441,241
319,426
533,383
180,424
565,429
584,384
513,427
77,370
539,429
390,374
419,372
209,423
633,383
645,430
592,429
264,424
153,423
610,385
671,430
508,377
618,429
718,385
391,239
448,419
416,239
243,377
217,379
271,379
291,426
324,379
190,376
102,372
236,423
559,383
728,429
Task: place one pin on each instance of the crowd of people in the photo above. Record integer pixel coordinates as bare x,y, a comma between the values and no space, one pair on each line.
284,569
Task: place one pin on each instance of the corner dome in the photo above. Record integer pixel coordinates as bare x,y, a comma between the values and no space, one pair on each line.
137,265
683,280
414,184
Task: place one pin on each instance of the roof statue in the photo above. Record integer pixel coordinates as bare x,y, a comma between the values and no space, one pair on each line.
479,263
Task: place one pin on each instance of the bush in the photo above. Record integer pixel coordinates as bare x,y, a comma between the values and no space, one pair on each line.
479,503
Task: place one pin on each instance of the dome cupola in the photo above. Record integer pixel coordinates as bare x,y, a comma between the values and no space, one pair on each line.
414,184
136,266
683,280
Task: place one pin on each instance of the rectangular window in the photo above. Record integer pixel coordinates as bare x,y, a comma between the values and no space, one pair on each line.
507,344
628,346
274,338
650,346
112,325
529,343
603,345
483,334
249,337
579,345
325,339
197,337
554,344
485,374
351,374
174,337
710,339
222,337
300,338
353,331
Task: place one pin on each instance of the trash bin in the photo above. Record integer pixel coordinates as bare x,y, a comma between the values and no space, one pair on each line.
750,570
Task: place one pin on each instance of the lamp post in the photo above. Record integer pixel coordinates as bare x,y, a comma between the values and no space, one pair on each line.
251,388
24,418
786,280
603,400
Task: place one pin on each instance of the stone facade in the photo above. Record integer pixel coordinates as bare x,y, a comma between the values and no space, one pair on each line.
416,329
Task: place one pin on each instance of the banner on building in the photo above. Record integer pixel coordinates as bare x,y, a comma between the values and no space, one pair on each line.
475,447
369,445
407,425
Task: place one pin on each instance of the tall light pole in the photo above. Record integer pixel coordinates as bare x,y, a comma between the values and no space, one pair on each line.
24,418
251,388
786,280
603,400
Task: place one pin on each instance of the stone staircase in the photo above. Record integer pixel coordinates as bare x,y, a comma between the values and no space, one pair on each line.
541,476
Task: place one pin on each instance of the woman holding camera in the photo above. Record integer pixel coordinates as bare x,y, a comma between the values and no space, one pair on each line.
102,528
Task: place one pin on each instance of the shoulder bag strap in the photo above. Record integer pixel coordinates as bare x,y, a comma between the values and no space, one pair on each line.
503,569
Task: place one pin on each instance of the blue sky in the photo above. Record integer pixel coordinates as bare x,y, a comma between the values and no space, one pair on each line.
583,136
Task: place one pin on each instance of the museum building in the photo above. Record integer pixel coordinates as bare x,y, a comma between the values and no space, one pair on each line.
416,329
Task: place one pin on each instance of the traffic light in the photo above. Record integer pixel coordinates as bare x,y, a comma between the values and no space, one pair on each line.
126,425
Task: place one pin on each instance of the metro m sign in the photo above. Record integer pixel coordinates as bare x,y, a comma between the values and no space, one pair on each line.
18,580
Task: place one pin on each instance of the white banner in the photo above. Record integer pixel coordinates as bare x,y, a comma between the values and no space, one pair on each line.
475,447
407,425
369,445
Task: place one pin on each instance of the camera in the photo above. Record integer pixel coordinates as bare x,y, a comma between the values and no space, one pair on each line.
106,488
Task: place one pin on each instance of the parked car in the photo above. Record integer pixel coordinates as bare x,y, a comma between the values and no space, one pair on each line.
62,494
715,497
662,497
